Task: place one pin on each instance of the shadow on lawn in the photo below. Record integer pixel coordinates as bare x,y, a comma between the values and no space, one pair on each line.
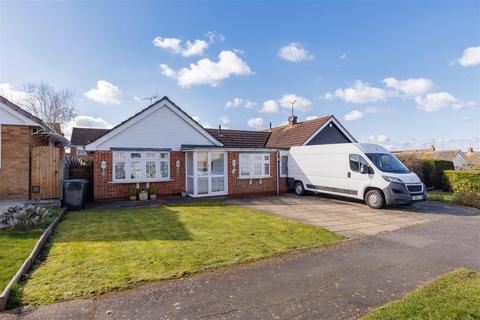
132,224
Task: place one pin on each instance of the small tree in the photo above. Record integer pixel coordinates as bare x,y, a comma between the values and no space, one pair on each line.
49,104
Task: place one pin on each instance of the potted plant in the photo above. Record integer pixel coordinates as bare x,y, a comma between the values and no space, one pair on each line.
153,191
132,193
143,195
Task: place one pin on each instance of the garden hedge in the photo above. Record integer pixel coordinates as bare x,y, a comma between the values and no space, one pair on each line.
464,182
431,172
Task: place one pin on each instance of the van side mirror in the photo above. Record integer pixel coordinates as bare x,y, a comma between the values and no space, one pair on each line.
363,169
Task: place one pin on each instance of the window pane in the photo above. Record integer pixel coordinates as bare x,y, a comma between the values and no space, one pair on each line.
218,184
267,168
257,157
355,162
217,163
135,155
244,164
164,169
257,169
284,165
151,155
119,170
164,155
202,163
151,171
266,157
135,170
119,155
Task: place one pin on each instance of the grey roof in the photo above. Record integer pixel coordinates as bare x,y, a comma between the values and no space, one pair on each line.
83,136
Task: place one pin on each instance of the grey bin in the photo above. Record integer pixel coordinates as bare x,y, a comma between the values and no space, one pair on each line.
75,193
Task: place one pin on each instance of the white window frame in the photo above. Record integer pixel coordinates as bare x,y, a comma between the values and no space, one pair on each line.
143,166
282,155
81,151
251,163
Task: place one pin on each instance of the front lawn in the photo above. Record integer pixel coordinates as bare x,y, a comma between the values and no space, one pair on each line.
94,252
436,195
15,247
455,295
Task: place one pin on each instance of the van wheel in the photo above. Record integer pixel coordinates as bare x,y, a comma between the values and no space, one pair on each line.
299,189
374,199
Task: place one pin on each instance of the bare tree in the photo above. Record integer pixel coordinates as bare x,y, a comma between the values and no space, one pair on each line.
49,104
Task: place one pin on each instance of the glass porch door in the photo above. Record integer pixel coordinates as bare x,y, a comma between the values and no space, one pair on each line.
206,173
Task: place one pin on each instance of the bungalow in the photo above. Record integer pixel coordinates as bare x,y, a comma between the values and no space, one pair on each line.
30,155
164,145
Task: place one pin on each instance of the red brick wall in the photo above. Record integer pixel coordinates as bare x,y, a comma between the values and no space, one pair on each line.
15,167
243,187
104,189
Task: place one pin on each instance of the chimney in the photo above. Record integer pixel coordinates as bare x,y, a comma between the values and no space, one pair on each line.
270,127
292,120
219,129
432,148
470,150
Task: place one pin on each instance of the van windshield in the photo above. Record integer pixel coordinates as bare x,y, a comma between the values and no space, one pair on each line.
387,162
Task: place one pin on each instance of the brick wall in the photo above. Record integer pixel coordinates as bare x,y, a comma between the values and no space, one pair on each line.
243,187
105,190
15,168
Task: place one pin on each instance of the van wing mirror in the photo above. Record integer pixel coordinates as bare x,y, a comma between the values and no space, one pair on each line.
363,169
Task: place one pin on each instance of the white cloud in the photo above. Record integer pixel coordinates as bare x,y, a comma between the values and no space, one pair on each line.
12,94
294,52
256,123
311,118
195,48
250,104
470,57
105,92
436,101
203,124
353,115
270,106
235,102
167,71
208,72
360,93
409,87
225,120
301,103
85,122
343,56
190,48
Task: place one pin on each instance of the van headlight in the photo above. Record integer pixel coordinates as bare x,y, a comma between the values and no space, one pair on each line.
392,179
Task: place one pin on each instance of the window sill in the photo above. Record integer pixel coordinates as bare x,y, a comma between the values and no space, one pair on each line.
141,181
255,178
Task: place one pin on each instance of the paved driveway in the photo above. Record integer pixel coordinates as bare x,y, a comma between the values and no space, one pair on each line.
349,218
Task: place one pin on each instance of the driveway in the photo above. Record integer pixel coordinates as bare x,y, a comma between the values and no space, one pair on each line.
342,281
351,218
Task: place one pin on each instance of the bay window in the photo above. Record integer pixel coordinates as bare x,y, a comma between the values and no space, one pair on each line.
141,166
254,165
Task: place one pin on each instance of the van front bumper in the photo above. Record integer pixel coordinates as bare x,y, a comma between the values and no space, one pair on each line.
397,193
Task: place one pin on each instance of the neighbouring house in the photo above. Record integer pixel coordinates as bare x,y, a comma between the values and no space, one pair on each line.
81,137
31,154
473,158
458,158
164,145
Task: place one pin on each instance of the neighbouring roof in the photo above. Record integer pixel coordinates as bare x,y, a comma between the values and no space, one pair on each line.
44,129
447,155
473,158
288,136
83,136
241,138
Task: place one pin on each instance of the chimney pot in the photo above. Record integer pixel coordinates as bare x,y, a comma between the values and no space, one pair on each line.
433,147
270,126
470,150
292,120
219,129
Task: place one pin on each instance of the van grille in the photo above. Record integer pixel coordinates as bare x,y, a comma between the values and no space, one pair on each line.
415,188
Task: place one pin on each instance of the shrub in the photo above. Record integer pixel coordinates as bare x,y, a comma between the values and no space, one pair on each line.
466,186
429,171
132,192
153,188
22,217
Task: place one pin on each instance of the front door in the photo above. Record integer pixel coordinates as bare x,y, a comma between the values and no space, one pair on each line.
211,169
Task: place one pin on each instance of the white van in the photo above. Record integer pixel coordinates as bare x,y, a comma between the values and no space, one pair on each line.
358,170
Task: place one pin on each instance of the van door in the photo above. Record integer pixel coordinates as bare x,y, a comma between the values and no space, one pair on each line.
358,181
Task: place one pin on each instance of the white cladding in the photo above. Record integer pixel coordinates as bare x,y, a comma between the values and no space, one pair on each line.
159,127
11,117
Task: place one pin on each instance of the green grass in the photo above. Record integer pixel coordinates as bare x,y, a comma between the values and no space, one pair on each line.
442,196
15,247
94,252
454,296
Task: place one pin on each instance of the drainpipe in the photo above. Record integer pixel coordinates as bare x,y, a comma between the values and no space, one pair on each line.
278,172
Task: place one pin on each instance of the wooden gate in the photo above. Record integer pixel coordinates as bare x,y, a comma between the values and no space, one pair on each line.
45,173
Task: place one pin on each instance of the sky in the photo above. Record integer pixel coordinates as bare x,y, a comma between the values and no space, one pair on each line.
404,74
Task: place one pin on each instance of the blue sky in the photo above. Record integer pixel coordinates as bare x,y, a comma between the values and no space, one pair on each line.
404,74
